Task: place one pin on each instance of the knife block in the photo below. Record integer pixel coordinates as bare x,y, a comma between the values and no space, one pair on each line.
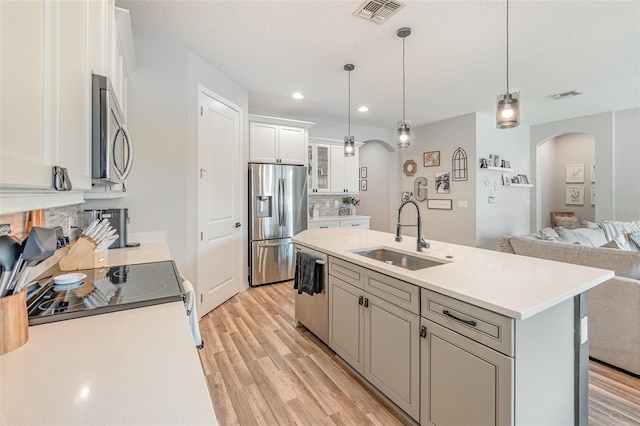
14,322
82,256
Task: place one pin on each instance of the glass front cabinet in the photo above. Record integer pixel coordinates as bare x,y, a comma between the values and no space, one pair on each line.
318,168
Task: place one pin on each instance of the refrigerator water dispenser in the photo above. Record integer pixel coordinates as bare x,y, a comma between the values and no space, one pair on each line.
264,206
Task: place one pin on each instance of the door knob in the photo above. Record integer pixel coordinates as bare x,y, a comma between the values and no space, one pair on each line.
238,225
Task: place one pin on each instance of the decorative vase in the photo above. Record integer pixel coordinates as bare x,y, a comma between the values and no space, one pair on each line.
352,209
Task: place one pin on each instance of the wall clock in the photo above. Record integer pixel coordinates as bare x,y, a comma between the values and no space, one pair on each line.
409,168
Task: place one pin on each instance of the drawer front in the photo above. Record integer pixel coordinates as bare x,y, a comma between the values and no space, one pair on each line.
486,327
400,293
356,223
347,272
323,224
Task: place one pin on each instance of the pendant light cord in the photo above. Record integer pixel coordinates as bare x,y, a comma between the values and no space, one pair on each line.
403,78
349,133
507,47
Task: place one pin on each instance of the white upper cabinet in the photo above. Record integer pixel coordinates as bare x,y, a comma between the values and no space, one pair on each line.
319,169
344,171
49,51
275,140
25,142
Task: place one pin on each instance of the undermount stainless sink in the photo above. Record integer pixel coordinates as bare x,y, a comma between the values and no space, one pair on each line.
396,258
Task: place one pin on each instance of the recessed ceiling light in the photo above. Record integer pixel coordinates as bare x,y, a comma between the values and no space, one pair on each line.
297,95
363,109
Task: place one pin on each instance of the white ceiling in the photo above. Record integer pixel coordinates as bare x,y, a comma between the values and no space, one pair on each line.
455,57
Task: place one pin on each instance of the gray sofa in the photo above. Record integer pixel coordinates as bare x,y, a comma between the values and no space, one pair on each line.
614,306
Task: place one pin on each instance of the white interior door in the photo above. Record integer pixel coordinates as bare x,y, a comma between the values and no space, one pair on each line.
219,203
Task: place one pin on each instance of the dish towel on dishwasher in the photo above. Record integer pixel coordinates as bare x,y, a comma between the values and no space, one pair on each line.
308,277
193,315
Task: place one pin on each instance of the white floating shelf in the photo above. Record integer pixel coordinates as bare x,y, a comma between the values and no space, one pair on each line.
497,169
521,185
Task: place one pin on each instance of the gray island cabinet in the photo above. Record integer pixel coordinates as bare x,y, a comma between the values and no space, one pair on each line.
452,345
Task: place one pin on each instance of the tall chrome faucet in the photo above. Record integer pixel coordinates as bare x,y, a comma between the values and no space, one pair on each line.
422,244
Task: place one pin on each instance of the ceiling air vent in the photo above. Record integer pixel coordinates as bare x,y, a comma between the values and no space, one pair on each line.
564,95
378,10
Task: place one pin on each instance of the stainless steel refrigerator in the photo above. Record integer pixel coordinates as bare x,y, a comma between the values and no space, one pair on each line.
277,211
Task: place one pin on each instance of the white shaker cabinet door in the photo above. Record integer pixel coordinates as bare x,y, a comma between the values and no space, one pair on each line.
352,173
25,138
337,162
71,118
292,145
263,142
346,322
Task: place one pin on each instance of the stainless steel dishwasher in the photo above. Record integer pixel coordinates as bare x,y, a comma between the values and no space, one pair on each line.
313,311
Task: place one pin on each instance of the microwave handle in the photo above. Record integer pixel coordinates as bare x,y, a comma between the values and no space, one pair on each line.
129,148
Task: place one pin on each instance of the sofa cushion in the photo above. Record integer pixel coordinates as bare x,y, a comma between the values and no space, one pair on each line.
548,234
623,263
504,244
587,224
594,235
572,237
569,222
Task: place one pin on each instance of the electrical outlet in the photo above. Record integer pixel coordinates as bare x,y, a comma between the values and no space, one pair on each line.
462,204
336,204
584,330
326,204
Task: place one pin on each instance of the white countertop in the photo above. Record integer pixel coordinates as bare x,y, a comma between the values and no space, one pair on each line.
511,285
336,217
138,366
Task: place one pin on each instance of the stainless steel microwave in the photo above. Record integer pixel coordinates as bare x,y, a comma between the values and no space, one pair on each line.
112,149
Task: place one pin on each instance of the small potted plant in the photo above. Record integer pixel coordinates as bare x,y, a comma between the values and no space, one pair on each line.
352,203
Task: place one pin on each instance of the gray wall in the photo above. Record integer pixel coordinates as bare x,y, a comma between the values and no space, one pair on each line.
553,156
510,213
627,165
459,224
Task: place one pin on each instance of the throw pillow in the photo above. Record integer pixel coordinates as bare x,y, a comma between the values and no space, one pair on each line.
590,225
635,238
611,244
571,237
596,236
569,222
548,234
619,231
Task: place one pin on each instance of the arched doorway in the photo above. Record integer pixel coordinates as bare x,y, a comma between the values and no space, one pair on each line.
565,176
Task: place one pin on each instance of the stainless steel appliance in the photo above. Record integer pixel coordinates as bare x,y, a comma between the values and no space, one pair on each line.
112,150
313,311
106,290
277,211
119,220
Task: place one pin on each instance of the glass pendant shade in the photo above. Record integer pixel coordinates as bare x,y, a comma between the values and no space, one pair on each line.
349,146
508,110
404,134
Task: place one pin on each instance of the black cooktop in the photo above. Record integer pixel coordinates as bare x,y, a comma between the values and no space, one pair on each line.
106,290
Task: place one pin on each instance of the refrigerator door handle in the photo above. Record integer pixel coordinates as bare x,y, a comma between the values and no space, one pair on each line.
281,195
274,244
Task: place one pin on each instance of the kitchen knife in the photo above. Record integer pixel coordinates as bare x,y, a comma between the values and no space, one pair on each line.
105,243
91,227
104,224
102,234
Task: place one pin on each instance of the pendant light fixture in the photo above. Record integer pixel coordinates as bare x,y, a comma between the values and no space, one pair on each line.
508,107
349,142
404,126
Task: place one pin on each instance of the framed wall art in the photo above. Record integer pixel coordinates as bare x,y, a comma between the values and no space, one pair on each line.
363,185
432,158
593,172
593,195
442,183
437,204
574,173
575,195
363,172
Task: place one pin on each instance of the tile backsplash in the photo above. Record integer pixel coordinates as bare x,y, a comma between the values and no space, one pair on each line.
322,200
56,216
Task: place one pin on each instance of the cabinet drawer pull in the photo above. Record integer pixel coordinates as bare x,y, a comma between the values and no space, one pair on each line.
447,313
322,227
360,300
355,224
366,302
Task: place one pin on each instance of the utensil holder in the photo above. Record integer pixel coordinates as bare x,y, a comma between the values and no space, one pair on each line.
82,256
14,322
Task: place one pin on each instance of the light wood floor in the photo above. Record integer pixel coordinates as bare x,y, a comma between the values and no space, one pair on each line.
262,370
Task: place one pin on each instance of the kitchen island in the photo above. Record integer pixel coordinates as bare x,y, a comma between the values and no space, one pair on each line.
494,338
138,366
